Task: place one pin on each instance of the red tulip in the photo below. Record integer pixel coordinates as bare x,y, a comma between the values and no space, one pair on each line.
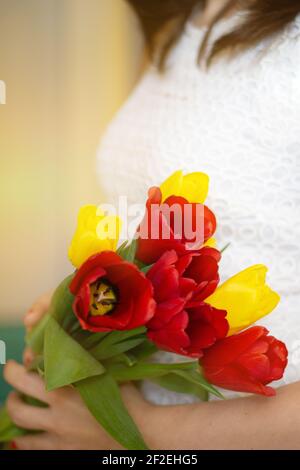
246,362
189,332
172,224
111,294
203,267
171,289
181,282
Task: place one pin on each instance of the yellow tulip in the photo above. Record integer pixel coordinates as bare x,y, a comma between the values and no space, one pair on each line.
193,187
211,243
95,232
246,297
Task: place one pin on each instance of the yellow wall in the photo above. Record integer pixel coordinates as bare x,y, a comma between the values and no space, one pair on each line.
67,65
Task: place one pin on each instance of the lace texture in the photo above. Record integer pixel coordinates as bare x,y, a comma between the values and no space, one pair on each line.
239,122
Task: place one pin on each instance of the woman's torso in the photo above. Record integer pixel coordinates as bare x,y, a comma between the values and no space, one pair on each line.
240,123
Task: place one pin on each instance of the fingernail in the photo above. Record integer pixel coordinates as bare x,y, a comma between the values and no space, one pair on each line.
14,445
29,314
27,360
30,318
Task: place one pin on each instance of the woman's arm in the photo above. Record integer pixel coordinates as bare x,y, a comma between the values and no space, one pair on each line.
246,423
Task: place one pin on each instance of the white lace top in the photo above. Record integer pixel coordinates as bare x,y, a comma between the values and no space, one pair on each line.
240,123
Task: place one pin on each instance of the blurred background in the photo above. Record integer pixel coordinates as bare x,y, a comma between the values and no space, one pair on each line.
67,65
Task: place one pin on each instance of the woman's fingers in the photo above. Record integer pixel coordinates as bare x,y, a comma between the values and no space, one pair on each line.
26,416
28,357
42,441
26,382
37,311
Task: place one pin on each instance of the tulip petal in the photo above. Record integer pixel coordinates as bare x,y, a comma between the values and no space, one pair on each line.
257,364
172,185
165,312
246,297
193,187
278,355
95,232
173,337
230,348
238,380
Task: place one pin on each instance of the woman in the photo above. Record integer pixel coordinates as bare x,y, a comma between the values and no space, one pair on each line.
237,120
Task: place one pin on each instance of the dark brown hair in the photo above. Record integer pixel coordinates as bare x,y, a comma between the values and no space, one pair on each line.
264,18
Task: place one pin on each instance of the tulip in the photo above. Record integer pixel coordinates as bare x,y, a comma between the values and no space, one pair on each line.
111,294
182,282
192,187
189,332
182,322
96,232
246,362
172,224
246,297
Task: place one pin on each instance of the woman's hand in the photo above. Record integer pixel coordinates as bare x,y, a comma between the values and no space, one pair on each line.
33,315
66,424
37,310
254,422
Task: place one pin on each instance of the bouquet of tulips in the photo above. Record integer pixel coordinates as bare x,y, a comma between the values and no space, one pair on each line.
159,291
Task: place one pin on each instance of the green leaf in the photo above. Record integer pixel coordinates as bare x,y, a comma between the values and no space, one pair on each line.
115,337
117,342
178,384
66,361
8,430
90,340
37,365
60,308
121,248
146,269
132,251
146,349
5,420
121,251
34,402
128,250
101,352
125,358
128,359
144,371
102,397
225,247
35,339
10,433
196,377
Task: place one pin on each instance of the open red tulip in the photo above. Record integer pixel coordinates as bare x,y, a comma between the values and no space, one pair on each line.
111,294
